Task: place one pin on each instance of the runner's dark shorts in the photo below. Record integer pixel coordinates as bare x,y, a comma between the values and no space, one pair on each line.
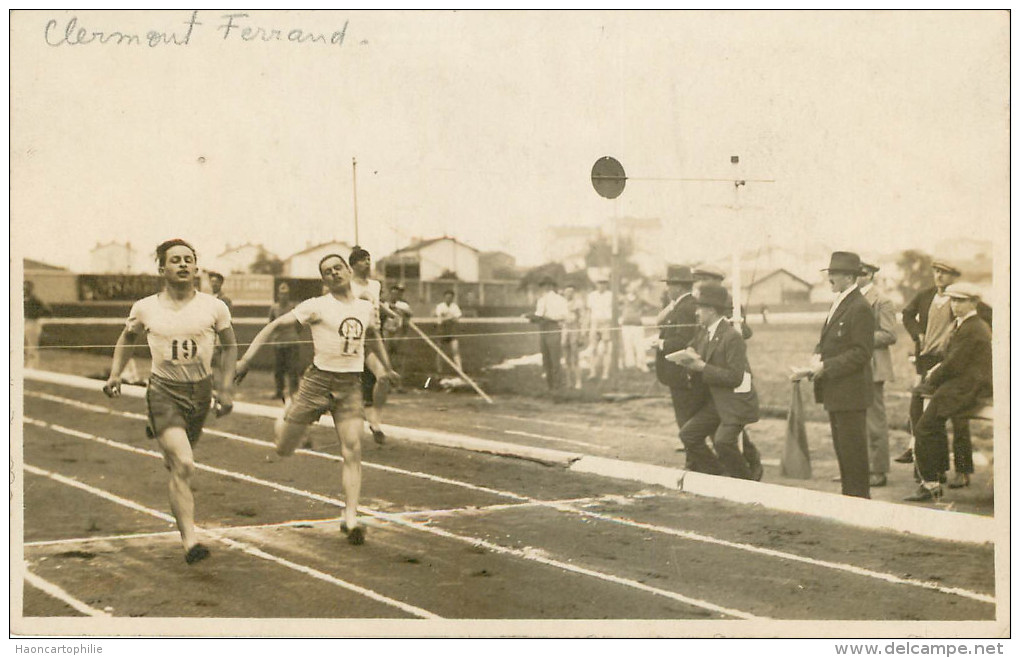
323,391
178,404
368,386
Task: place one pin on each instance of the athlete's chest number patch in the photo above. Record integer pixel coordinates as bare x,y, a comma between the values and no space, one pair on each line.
351,331
183,349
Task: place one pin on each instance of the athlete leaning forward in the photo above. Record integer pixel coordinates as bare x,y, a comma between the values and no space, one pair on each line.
341,326
181,326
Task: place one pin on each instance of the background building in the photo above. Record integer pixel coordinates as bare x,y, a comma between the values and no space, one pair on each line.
305,263
433,259
112,258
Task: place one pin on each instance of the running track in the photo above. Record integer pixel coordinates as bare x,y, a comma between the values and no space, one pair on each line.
452,535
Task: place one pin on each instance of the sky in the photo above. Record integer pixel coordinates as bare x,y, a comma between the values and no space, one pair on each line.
880,130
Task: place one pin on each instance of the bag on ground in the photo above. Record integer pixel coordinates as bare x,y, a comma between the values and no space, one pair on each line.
796,462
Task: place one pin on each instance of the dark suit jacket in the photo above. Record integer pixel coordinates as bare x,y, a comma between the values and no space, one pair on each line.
725,364
915,319
845,346
678,330
966,373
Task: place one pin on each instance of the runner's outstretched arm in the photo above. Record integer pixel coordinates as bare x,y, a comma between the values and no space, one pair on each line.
256,344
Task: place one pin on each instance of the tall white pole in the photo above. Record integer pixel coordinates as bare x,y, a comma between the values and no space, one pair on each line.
738,182
354,169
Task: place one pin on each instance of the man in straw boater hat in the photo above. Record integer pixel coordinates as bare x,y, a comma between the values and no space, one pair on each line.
719,357
882,372
954,385
841,371
929,320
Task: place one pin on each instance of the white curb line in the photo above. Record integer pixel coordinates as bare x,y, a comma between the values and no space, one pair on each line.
877,514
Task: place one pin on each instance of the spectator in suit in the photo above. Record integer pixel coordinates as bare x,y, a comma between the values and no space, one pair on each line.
841,371
719,355
35,310
707,273
216,283
286,347
955,385
929,320
678,324
550,313
882,372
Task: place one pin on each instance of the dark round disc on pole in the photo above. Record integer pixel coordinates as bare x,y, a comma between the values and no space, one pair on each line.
608,177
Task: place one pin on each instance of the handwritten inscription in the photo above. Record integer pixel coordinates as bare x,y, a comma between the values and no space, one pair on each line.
228,27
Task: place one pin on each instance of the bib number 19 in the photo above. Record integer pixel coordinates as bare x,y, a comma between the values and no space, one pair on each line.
183,349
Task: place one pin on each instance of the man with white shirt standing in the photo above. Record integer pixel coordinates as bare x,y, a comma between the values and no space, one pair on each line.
841,371
882,372
550,313
720,356
600,319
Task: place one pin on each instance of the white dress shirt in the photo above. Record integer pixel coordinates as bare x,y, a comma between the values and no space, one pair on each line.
839,300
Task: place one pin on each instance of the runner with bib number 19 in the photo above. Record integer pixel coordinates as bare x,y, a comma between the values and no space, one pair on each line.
181,326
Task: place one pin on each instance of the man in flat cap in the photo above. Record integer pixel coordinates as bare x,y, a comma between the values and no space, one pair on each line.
678,325
882,372
955,385
929,321
841,371
719,356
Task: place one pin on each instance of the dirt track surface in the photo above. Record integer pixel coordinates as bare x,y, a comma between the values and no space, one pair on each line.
452,534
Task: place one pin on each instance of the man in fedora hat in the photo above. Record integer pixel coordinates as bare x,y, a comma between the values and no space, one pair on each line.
710,273
954,385
882,372
841,371
929,320
719,356
678,324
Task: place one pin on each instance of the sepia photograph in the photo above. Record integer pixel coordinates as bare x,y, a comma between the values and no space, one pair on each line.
511,324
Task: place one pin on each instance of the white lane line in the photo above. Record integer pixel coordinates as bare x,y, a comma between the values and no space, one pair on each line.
530,555
554,438
793,557
269,444
58,593
202,467
247,548
575,426
838,566
147,535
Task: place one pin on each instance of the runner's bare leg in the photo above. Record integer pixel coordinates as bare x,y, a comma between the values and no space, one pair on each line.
179,457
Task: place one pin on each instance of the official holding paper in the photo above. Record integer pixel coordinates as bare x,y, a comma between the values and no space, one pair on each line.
720,355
